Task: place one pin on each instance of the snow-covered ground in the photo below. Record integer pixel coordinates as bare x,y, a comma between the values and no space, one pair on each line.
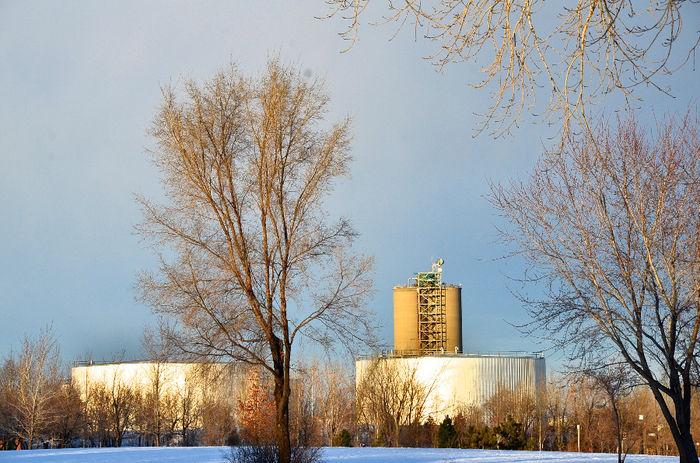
345,455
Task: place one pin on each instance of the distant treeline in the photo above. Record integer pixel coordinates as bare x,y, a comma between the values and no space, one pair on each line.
40,406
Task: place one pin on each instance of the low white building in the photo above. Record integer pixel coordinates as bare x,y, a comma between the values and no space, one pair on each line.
172,377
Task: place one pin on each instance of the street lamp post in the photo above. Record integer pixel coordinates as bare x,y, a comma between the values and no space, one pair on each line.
641,420
578,437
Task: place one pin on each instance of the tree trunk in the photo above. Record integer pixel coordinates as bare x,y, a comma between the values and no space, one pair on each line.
684,442
158,424
284,448
396,434
282,392
618,434
31,438
688,453
118,430
681,402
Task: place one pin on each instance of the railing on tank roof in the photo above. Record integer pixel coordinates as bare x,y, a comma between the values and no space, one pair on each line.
89,363
392,353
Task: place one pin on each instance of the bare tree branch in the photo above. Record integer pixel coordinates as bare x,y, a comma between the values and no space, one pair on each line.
576,52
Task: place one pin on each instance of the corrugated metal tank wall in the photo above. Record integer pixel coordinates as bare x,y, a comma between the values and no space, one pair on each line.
453,306
405,318
486,375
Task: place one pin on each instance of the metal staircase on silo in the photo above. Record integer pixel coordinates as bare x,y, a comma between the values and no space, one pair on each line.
432,317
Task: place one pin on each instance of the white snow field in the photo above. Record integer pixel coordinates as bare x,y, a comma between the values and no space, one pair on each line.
335,454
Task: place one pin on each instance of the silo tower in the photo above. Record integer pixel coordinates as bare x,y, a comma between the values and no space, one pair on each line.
428,315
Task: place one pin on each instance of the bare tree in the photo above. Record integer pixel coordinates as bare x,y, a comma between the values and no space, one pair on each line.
324,399
578,52
335,398
121,403
615,381
519,403
110,404
391,395
305,407
255,266
69,422
189,407
33,382
218,425
611,226
558,408
96,409
587,400
159,351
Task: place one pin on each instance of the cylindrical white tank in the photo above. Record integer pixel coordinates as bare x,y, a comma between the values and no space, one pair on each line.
454,381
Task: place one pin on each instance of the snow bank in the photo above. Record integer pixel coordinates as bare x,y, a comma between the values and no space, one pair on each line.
336,454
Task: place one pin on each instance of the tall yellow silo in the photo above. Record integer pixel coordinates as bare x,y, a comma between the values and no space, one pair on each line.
406,319
453,309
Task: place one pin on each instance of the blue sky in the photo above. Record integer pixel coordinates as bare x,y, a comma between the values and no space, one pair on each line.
81,83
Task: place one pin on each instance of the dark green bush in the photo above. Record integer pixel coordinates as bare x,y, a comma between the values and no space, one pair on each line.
447,434
511,434
343,439
379,442
479,437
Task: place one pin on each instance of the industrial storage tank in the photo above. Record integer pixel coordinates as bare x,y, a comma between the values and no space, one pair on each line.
406,319
453,306
428,349
456,381
428,315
